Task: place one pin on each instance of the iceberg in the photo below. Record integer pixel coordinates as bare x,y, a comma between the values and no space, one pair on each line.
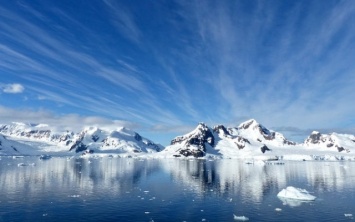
240,218
296,193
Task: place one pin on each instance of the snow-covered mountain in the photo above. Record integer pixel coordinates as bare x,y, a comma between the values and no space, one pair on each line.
9,147
253,140
249,140
332,141
41,137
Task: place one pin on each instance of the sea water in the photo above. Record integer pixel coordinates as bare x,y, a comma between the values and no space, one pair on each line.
128,189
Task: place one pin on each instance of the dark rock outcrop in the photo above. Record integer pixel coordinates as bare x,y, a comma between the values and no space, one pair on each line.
314,138
264,149
194,153
220,129
201,136
240,142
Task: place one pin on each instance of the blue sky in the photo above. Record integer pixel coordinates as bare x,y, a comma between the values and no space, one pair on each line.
160,67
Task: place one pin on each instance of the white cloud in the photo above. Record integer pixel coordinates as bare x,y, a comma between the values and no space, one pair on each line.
71,122
13,88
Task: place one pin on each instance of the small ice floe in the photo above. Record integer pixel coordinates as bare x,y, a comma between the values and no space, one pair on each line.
240,218
17,157
44,157
278,209
22,164
147,212
296,193
74,196
146,191
348,215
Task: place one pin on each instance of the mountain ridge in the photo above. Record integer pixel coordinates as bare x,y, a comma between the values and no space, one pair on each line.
248,140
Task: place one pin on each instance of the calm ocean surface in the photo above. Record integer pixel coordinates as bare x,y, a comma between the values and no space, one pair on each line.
118,189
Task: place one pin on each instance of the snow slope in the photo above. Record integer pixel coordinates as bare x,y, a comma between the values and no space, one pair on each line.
40,138
251,140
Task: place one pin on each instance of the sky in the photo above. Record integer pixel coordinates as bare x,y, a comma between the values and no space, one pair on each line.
161,67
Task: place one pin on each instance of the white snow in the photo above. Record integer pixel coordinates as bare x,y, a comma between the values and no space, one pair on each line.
296,193
242,142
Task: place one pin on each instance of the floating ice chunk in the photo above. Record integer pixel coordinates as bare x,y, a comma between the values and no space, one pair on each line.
240,218
21,164
296,193
348,215
278,209
45,157
17,157
74,196
147,212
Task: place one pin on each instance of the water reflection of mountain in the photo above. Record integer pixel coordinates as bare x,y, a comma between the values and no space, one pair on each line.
222,178
254,182
73,175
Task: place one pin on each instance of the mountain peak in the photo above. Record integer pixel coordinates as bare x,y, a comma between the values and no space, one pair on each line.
248,123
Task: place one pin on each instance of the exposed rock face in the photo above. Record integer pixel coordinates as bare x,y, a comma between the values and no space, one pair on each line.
266,133
249,134
92,138
137,137
221,130
194,153
314,138
329,141
240,142
340,148
288,142
264,149
78,146
195,142
247,124
259,131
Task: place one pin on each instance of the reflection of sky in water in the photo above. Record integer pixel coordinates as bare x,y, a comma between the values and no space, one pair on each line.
182,187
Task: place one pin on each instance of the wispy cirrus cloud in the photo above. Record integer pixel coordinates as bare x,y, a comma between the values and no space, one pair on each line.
272,63
123,20
284,64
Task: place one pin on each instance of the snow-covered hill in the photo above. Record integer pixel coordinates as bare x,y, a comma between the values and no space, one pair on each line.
9,147
249,140
39,138
253,140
